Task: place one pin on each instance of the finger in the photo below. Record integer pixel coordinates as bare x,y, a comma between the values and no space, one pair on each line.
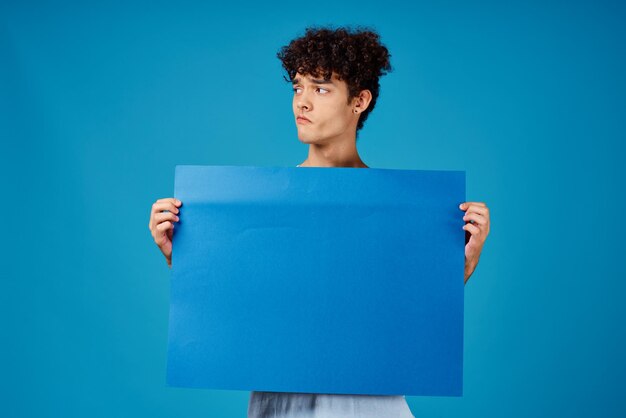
165,204
472,229
481,210
465,205
158,208
161,206
477,218
165,216
164,226
171,199
159,217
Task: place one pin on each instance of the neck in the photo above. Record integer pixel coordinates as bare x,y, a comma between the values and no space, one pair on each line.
336,154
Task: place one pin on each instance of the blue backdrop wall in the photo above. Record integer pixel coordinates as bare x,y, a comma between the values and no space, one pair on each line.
98,103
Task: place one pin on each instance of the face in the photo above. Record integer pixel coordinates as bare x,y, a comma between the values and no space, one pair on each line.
321,109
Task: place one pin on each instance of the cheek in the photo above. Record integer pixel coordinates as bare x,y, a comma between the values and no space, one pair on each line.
342,116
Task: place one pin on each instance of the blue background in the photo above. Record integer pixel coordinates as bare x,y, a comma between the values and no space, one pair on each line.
98,104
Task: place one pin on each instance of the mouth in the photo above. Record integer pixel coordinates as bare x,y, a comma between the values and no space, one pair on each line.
302,120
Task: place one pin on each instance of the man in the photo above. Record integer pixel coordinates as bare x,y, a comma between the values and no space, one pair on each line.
335,76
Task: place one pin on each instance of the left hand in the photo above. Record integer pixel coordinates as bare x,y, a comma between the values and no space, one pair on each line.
476,231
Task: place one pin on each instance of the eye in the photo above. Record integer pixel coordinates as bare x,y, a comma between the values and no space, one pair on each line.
322,90
297,90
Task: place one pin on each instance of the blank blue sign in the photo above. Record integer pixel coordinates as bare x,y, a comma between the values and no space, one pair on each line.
318,280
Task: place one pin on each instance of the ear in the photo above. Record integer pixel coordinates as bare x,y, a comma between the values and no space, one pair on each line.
362,101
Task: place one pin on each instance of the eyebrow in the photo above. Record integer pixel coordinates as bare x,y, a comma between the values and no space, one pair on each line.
313,80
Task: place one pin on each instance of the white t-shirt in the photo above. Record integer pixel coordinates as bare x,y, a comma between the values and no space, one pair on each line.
313,405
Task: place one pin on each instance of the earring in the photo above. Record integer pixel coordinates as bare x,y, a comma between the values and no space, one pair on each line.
356,111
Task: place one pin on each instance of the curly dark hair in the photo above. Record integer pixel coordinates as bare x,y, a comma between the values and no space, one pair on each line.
356,56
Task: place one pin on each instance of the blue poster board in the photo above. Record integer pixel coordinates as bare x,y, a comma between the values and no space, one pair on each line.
318,280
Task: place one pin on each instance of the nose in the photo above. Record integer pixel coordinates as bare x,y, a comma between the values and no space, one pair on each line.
302,101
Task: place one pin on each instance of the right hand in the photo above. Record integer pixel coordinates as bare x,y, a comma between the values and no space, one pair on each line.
162,224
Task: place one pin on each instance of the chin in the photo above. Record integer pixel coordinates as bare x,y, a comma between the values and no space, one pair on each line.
307,139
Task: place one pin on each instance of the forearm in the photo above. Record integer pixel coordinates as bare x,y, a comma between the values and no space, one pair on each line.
470,266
